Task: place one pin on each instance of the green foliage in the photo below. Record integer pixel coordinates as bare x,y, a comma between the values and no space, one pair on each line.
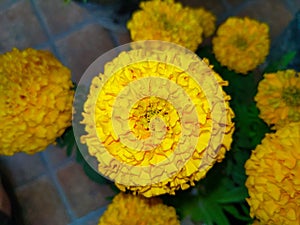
216,199
219,198
282,63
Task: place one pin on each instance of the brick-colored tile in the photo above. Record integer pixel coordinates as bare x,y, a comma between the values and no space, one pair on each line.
66,14
90,219
83,194
215,6
123,37
19,28
81,48
22,167
41,204
272,12
57,156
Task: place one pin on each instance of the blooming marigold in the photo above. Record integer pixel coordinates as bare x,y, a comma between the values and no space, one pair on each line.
278,97
206,19
126,89
127,209
190,173
166,21
241,44
35,100
273,177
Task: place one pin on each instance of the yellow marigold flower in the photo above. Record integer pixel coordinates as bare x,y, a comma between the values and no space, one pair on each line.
278,98
35,100
166,21
156,123
127,209
207,21
190,173
273,177
241,44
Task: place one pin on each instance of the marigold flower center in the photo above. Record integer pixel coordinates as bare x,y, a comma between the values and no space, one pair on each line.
166,23
241,43
147,109
291,96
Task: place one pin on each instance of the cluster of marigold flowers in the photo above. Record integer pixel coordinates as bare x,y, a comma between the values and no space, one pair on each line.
104,93
273,169
241,44
36,103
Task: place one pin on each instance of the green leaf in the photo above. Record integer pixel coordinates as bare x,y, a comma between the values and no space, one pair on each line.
215,212
203,215
89,171
220,217
79,157
245,209
234,212
93,175
67,140
287,58
70,149
204,210
200,213
282,63
185,205
235,195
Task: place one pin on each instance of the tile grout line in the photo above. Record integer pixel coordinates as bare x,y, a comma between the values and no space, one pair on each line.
114,38
51,171
77,27
92,19
44,26
62,164
49,168
73,29
58,187
64,34
102,15
30,181
98,212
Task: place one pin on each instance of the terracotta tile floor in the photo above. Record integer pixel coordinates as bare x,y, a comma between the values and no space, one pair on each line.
52,188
